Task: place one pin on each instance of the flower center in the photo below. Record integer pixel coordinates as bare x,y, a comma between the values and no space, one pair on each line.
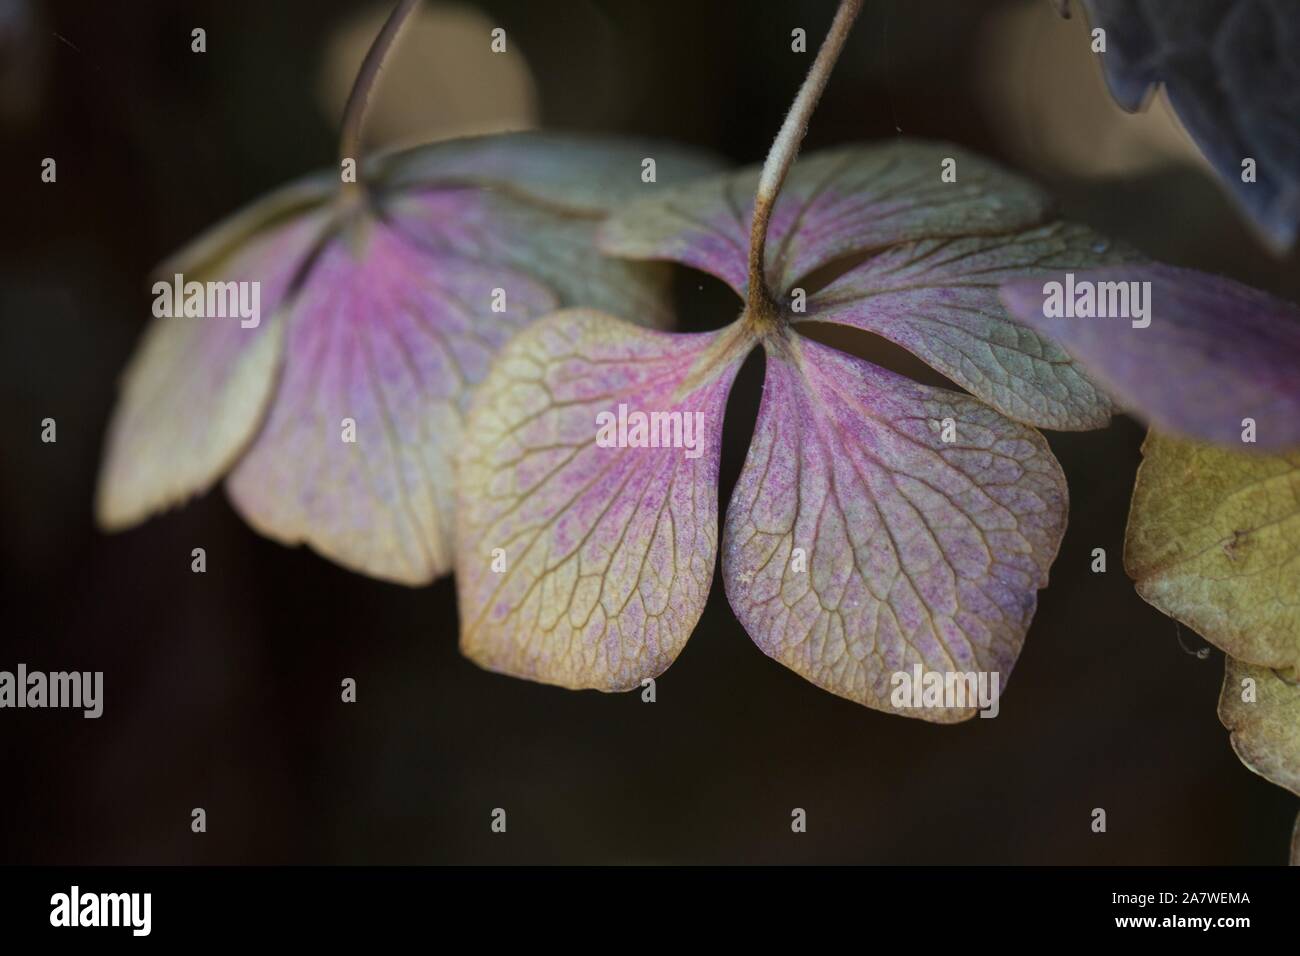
764,316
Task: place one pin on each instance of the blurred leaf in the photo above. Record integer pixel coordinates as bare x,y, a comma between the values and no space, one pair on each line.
1233,77
1213,351
478,92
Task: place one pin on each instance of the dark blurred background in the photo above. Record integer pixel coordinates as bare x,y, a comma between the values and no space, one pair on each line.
222,689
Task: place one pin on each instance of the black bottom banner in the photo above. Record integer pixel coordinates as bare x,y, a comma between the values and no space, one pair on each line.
236,904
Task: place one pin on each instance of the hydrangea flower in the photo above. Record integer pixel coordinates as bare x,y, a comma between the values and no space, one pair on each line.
878,525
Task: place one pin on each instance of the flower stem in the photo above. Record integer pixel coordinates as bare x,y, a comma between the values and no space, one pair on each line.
781,156
355,112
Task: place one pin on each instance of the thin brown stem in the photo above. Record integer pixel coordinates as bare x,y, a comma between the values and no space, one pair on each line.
786,146
355,111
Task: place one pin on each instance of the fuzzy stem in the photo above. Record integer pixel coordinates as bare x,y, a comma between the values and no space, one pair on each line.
786,146
355,112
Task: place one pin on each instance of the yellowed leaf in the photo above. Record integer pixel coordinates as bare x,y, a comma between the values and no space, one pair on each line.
1261,709
1214,541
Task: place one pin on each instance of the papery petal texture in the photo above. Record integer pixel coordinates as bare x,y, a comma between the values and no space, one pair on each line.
917,550
581,564
1215,351
1213,540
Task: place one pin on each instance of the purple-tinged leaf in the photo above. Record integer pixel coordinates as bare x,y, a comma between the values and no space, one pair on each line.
938,298
835,203
580,563
916,550
391,320
391,338
1208,354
